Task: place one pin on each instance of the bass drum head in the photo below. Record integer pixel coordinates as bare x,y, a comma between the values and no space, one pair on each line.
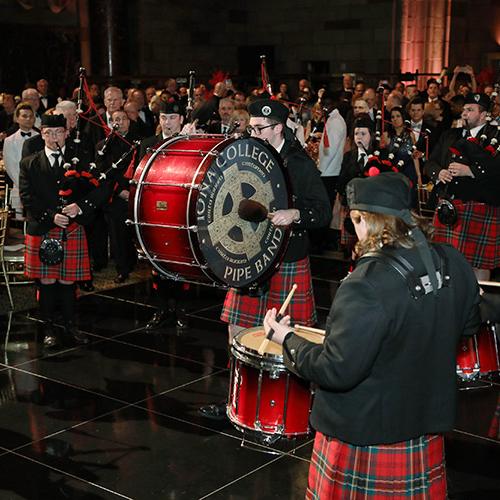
237,252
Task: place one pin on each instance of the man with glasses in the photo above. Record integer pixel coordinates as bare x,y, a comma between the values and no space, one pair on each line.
311,209
40,180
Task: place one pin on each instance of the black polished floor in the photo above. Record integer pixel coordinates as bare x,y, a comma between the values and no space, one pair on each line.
118,418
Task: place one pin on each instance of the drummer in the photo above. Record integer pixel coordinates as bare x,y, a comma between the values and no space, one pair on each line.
311,209
166,293
386,371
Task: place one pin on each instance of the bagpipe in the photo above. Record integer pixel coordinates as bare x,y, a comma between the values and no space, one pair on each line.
77,181
382,160
479,154
79,178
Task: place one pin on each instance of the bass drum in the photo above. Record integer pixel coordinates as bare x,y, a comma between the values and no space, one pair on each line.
185,199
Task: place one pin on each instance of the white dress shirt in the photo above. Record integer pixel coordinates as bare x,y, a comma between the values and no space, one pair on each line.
330,158
12,149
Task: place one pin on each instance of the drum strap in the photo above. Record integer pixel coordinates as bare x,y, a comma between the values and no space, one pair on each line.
418,285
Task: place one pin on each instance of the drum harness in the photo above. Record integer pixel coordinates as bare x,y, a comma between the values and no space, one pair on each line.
417,285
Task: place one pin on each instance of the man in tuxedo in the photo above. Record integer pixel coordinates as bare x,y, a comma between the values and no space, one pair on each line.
47,101
422,131
68,110
226,110
370,96
113,101
208,111
12,149
32,97
146,118
467,174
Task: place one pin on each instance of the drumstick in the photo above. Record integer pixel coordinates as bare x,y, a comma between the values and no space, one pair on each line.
264,343
309,329
488,283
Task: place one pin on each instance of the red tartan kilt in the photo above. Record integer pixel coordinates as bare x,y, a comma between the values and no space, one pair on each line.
476,234
247,312
75,265
411,469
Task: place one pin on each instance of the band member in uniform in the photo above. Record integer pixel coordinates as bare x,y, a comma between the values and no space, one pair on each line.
166,292
122,244
471,176
386,370
41,178
311,209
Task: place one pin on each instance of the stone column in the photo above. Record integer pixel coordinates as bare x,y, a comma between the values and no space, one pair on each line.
425,35
109,44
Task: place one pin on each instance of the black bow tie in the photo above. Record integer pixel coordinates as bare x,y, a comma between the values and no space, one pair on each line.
25,134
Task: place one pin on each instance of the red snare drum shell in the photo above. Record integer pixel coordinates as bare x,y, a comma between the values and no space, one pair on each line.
478,355
263,395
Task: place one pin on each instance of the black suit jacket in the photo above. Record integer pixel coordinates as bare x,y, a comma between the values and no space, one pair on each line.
39,185
309,197
387,369
147,143
484,186
115,180
51,103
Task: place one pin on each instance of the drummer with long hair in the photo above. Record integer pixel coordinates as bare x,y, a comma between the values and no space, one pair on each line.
386,371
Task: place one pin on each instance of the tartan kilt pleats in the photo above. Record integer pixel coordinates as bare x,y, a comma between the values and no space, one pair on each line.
412,469
75,265
476,234
247,312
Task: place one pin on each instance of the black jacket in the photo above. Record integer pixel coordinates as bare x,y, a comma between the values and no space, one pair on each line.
485,185
115,178
39,185
309,197
386,371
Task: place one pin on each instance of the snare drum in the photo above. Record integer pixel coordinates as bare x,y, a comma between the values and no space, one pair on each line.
478,355
185,199
263,395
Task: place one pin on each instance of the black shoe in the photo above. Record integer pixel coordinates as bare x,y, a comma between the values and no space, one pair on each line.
86,286
161,318
121,278
50,341
76,335
182,323
182,320
214,411
50,338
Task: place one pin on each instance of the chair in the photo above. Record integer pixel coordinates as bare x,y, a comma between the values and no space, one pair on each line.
4,216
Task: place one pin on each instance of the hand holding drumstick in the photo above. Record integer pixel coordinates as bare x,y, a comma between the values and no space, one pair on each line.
277,326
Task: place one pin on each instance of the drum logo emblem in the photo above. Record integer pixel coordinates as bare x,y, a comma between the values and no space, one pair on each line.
161,205
239,251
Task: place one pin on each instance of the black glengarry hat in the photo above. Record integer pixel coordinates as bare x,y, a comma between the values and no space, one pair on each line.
388,193
268,108
478,98
53,121
171,108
